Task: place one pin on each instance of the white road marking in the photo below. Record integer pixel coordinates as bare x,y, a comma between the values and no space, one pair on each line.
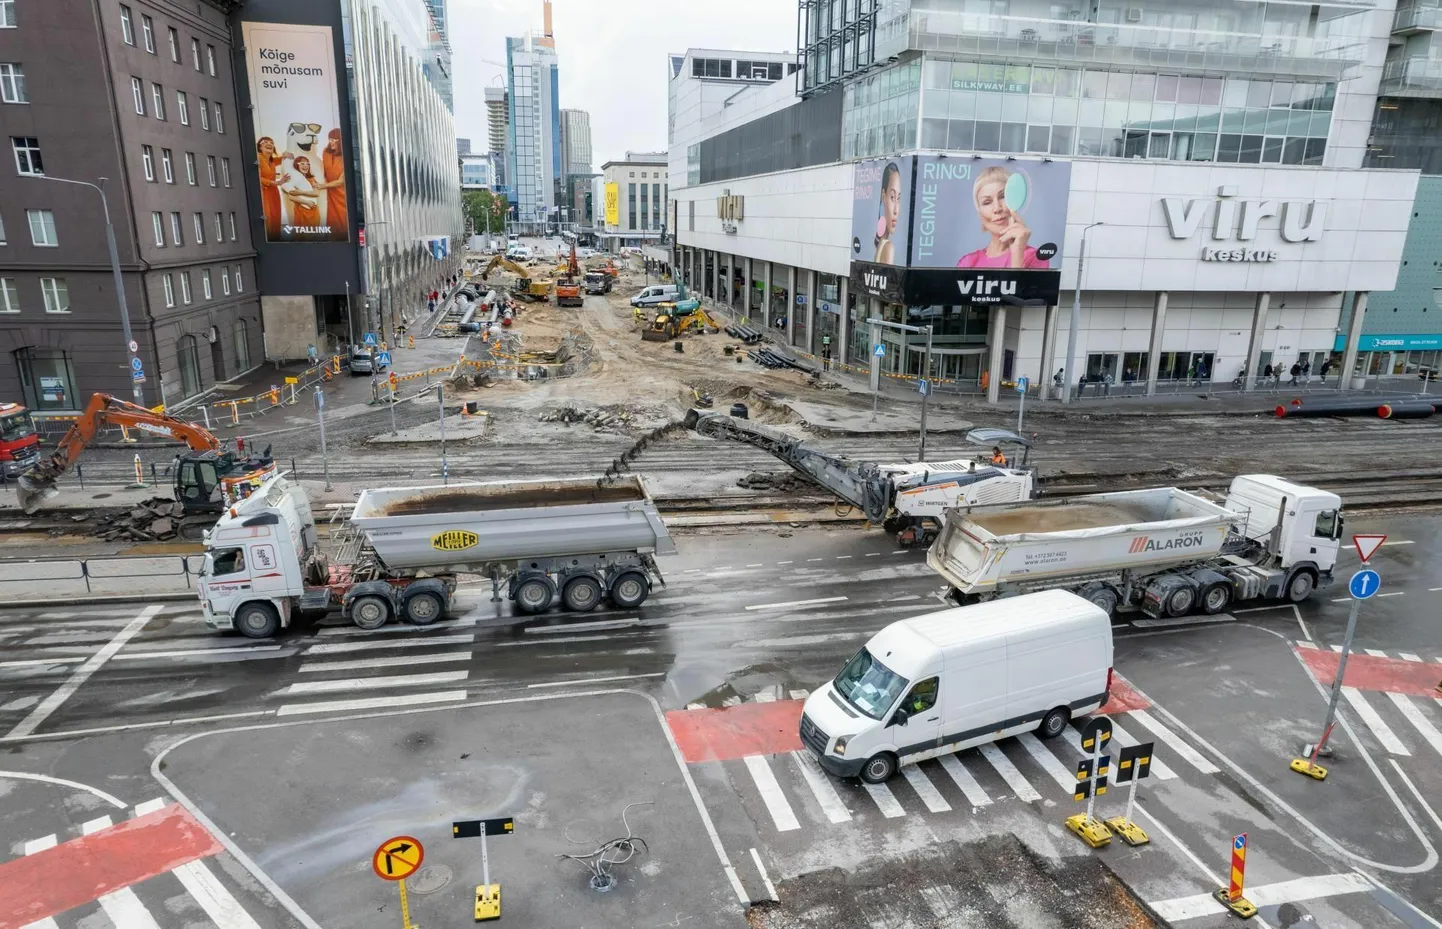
192,652
1294,891
791,603
885,800
217,902
765,696
816,559
122,906
149,806
963,779
559,640
1065,777
372,703
40,844
362,664
1340,599
1337,648
1019,785
596,680
757,565
765,879
799,694
397,628
785,562
733,700
842,557
906,598
1395,593
1433,590
1419,722
776,802
82,674
899,551
372,683
821,787
925,789
578,627
1408,656
1375,652
335,648
1303,643
873,554
1380,729
1169,738
36,662
692,571
1160,770
695,706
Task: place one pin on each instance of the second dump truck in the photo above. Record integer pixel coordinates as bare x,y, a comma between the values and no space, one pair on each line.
1163,551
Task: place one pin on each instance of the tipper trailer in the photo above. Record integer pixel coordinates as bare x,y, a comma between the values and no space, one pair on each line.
1162,551
579,541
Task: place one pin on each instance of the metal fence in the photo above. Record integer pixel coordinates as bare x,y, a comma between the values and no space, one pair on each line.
57,579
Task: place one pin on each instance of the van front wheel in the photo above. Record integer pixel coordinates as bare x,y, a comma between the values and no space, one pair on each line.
1053,723
879,768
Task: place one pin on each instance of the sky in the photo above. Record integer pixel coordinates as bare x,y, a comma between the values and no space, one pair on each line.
613,57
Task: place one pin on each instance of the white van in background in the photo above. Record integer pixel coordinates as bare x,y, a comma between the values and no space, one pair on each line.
946,681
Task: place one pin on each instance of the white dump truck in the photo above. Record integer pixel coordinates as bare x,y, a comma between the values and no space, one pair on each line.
398,554
1163,551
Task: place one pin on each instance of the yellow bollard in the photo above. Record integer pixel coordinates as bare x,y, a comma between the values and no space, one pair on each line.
412,340
139,475
235,413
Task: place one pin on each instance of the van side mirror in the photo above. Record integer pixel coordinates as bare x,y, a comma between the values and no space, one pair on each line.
900,717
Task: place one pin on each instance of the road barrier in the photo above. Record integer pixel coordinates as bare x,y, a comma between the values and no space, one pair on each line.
135,575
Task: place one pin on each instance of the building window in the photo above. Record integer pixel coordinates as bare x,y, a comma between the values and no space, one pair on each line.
224,282
205,283
157,97
12,84
174,39
46,378
187,353
147,30
182,104
157,223
42,228
225,171
137,92
199,222
238,287
9,296
219,227
7,14
185,287
147,160
656,206
176,238
127,31
167,165
210,168
219,119
205,114
232,227
2,230
210,59
56,294
168,282
195,53
242,340
190,168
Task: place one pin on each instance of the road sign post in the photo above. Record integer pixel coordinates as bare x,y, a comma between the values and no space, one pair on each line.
1021,386
1231,895
320,415
395,860
1134,762
1092,782
877,353
488,895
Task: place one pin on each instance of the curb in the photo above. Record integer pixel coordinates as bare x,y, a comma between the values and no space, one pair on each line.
107,598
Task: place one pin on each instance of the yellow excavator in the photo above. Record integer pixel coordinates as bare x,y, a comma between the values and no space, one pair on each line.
531,291
672,319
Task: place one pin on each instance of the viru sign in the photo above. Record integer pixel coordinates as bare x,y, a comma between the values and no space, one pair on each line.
1240,220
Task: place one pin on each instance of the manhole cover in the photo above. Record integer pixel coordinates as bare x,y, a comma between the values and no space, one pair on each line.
429,879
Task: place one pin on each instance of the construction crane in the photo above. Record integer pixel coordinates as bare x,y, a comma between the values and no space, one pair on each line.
207,479
907,499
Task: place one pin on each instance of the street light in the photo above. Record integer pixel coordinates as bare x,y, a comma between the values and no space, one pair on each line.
1066,382
130,347
379,320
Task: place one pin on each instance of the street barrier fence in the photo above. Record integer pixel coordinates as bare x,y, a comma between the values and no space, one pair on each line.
56,579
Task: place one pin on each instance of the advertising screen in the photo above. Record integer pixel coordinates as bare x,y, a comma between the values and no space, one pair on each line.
298,133
613,204
881,193
989,213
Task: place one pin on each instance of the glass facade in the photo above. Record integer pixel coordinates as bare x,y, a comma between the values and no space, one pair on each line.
878,111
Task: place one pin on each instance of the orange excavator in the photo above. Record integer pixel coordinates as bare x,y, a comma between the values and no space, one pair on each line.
568,287
207,479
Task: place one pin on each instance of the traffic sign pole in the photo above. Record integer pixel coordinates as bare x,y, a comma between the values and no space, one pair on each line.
405,906
1231,895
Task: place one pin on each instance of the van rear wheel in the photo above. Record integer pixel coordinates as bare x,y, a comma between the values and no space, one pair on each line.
879,768
1053,723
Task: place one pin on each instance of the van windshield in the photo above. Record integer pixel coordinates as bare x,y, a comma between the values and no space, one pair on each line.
869,685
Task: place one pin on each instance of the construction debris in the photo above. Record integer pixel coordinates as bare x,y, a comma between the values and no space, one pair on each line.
155,520
785,482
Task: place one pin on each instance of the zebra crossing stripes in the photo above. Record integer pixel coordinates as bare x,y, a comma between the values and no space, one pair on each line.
1002,765
1421,723
963,780
1160,769
1373,720
31,847
122,906
1173,742
1065,777
886,801
925,789
776,803
821,787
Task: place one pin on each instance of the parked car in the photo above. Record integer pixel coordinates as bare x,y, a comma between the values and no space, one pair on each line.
657,293
363,360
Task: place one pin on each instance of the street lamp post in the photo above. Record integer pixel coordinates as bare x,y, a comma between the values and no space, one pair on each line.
925,383
130,346
1066,385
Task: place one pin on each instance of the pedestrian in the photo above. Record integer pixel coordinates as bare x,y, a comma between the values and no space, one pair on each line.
1267,373
1326,366
1058,377
1191,375
1296,373
1307,371
1202,371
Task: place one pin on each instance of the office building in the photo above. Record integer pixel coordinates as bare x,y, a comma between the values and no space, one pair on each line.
437,66
1212,161
463,146
139,93
498,129
575,142
477,173
533,140
636,189
437,9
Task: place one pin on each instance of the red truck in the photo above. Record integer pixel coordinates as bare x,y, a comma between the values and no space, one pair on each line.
19,443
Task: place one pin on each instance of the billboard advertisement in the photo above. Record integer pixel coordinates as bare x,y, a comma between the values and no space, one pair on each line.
613,204
296,115
880,208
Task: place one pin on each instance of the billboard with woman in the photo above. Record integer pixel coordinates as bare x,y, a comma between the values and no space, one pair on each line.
989,213
298,139
879,220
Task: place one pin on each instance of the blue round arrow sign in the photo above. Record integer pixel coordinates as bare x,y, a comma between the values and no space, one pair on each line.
1364,584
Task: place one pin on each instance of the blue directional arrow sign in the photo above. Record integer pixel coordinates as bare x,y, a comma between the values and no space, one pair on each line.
1364,584
879,351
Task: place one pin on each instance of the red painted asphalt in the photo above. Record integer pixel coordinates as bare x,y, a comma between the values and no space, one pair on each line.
1367,672
76,872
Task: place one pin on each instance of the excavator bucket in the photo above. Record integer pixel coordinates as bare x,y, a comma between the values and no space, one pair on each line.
33,492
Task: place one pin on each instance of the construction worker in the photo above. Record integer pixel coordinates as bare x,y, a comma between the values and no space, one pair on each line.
997,456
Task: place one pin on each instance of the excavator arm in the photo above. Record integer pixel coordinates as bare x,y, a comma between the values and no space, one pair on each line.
38,484
501,261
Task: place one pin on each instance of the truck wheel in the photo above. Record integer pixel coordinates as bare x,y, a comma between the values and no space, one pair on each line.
630,590
1103,598
1301,585
879,768
1216,598
257,621
1053,723
1181,601
533,595
425,608
581,594
370,612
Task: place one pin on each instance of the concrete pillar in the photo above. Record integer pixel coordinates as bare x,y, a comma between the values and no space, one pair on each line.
716,276
790,304
844,330
1354,338
1048,351
1254,347
766,295
1154,355
745,311
812,345
996,342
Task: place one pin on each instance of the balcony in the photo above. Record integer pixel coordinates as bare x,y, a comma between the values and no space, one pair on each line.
1121,45
1411,19
1412,77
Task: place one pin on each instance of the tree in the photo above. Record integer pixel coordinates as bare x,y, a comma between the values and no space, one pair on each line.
483,206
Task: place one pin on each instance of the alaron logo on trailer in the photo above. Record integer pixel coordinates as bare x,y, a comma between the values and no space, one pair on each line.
1143,543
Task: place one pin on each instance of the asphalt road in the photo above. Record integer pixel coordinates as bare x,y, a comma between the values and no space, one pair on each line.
286,749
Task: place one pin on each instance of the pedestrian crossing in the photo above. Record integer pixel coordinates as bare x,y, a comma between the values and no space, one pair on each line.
1395,702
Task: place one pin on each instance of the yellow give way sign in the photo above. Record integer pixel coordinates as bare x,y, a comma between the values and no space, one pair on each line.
398,858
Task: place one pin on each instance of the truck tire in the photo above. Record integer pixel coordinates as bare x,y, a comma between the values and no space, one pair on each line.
1301,585
1102,597
1054,723
581,594
1216,598
630,590
424,608
879,768
257,621
370,612
534,595
1181,601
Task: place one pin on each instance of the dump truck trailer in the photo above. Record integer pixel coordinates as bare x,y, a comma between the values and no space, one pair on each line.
1162,551
399,553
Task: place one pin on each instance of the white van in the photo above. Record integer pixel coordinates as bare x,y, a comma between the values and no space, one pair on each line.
946,681
656,294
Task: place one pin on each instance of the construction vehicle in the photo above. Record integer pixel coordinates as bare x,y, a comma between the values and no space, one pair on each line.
568,286
908,500
400,551
598,282
531,291
673,319
1161,551
206,480
19,442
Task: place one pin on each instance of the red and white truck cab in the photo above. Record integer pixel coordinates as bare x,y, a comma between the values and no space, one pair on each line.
19,443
